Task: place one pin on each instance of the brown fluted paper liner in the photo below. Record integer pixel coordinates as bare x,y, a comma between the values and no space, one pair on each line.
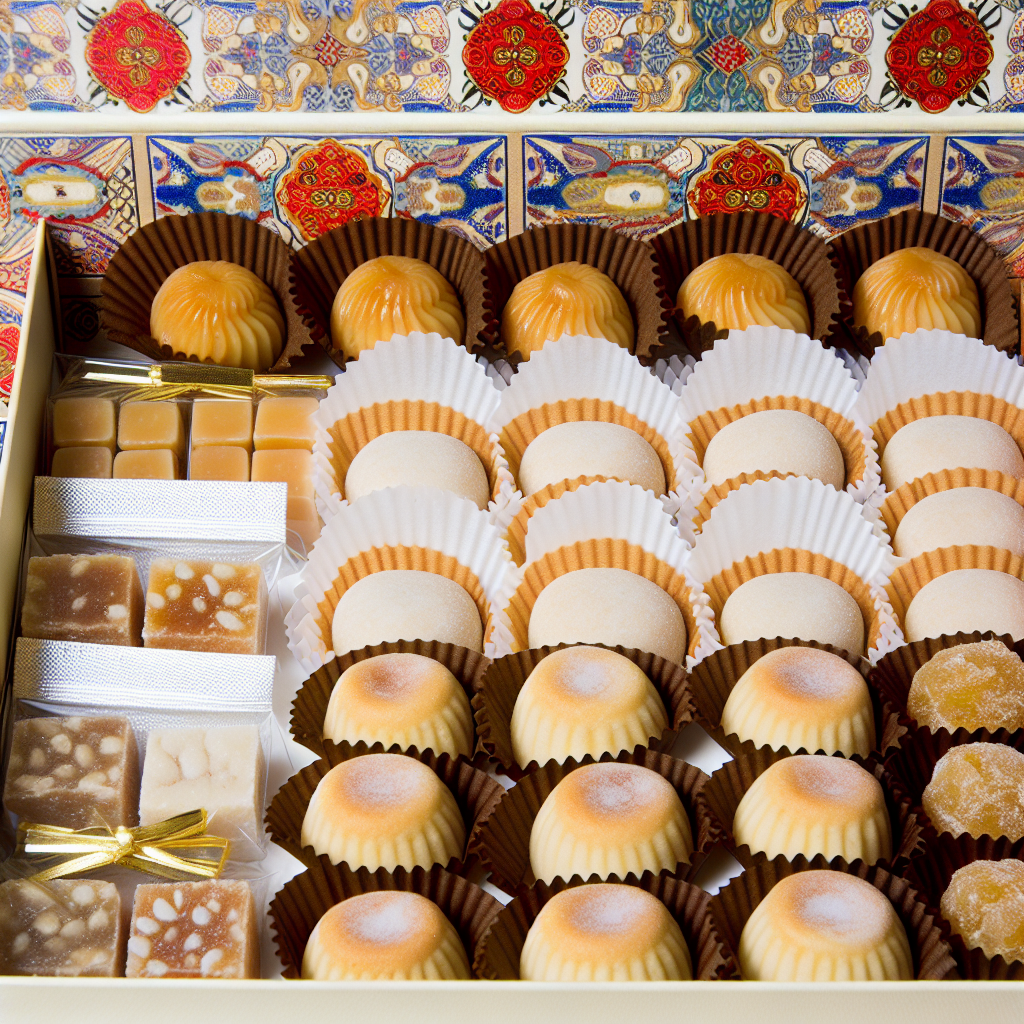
502,838
931,874
309,709
727,786
154,251
319,269
855,250
629,263
714,678
933,959
498,956
495,700
299,905
685,246
475,792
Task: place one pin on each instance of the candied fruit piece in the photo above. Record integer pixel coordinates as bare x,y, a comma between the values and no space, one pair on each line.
984,903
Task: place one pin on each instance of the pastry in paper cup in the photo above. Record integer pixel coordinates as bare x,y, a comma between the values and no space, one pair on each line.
775,371
302,902
579,380
422,383
411,529
618,575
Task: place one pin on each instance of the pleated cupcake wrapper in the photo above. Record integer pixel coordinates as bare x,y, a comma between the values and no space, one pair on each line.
612,526
502,838
401,528
319,269
309,709
299,905
931,873
728,785
857,249
415,382
151,253
933,958
715,677
629,263
475,792
685,246
498,955
495,699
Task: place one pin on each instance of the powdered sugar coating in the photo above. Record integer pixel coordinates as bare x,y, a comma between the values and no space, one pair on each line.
966,600
961,515
984,902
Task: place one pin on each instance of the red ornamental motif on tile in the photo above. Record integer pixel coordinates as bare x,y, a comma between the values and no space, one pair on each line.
938,55
746,178
329,186
9,335
137,55
5,203
515,55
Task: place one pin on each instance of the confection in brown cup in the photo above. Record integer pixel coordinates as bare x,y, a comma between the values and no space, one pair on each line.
498,956
153,252
932,956
855,250
319,269
299,905
802,254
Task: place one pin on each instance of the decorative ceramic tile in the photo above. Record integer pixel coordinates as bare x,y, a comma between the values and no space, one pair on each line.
645,183
304,186
983,187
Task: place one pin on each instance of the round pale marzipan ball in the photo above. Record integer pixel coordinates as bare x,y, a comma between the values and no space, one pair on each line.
966,600
963,515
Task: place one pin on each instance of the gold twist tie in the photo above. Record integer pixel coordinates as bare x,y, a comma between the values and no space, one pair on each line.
143,848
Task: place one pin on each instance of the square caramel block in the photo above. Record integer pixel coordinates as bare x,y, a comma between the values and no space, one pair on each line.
303,519
144,425
67,928
194,930
82,462
218,769
292,466
219,462
84,423
90,599
222,422
75,772
206,606
285,423
146,464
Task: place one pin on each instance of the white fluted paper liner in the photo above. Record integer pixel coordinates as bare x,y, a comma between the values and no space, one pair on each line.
674,372
422,517
414,367
765,362
806,515
620,511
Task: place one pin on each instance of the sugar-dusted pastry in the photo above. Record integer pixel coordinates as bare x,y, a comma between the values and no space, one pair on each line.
405,604
970,686
802,697
418,458
218,312
963,515
403,699
825,926
935,443
385,936
584,700
814,804
84,422
977,788
913,288
965,600
739,290
984,903
775,440
393,295
148,425
610,819
608,606
797,605
567,298
605,932
384,811
567,451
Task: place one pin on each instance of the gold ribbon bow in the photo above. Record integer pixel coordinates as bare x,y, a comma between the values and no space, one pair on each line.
144,848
